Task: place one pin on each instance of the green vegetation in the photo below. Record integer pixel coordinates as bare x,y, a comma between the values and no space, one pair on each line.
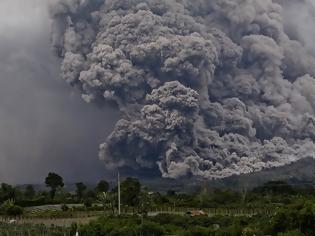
10,209
276,208
53,181
102,186
36,230
294,220
80,190
130,192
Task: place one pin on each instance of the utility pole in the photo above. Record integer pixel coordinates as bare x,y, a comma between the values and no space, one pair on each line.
119,194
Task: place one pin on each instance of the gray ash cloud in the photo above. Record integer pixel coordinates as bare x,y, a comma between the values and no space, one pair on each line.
207,88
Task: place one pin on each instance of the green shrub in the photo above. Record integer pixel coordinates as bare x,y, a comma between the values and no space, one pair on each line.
198,231
30,203
248,232
64,207
171,219
93,229
200,221
88,203
14,211
124,231
151,229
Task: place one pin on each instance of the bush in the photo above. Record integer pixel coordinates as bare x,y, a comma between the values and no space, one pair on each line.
200,221
198,231
151,229
248,232
14,211
73,228
30,203
88,202
171,219
124,231
64,207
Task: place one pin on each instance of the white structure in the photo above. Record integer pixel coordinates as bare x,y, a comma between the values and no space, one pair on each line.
119,194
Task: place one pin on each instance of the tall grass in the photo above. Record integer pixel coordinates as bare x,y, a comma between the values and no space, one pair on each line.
32,230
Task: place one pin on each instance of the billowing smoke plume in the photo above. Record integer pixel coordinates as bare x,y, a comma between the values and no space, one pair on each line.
207,88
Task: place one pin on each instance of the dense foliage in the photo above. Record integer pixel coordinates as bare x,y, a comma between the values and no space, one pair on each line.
276,208
297,219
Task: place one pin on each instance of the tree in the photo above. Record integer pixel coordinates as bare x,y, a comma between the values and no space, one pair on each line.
53,181
159,199
130,191
107,200
6,192
145,202
81,187
89,197
102,186
29,191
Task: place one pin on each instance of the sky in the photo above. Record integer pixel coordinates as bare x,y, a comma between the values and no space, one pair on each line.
300,23
44,124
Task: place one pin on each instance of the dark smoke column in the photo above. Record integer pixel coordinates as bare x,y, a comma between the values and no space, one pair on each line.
209,88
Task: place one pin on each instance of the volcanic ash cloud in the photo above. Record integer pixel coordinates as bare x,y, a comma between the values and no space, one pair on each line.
206,88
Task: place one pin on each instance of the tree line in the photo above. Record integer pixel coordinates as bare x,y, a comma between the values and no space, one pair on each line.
103,196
